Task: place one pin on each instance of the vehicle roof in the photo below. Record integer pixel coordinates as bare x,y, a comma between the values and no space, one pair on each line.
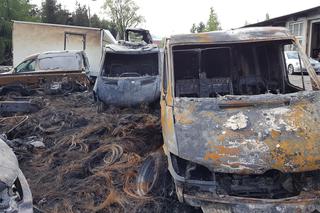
53,53
131,48
241,35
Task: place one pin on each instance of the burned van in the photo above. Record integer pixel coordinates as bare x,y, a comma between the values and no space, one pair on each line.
240,134
129,75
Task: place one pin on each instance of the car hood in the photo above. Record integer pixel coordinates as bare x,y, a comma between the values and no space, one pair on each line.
9,167
250,134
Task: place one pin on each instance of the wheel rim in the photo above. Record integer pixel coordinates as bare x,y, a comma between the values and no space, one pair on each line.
290,69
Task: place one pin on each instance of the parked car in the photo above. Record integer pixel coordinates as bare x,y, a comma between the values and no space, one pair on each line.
50,71
293,64
15,194
129,74
238,136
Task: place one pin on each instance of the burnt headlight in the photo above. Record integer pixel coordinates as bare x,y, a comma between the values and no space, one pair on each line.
190,170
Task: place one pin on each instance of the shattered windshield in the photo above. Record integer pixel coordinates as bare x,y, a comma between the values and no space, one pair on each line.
233,69
130,65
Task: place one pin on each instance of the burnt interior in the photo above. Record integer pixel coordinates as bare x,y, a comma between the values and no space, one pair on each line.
130,65
231,69
272,184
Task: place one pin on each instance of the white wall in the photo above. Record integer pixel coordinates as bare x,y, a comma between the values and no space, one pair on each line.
29,39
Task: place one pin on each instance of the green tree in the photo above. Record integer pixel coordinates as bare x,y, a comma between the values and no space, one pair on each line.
123,14
13,10
193,28
54,13
267,16
213,23
80,16
201,27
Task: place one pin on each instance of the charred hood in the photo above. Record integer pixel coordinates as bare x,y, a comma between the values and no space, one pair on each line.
250,134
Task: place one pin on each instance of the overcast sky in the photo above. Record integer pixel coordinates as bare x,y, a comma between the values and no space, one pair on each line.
166,17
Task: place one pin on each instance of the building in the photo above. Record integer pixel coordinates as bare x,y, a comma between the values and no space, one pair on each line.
305,25
30,38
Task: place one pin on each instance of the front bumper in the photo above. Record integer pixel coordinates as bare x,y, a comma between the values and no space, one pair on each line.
25,205
203,194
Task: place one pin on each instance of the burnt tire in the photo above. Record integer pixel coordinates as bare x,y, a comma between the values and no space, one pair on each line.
153,176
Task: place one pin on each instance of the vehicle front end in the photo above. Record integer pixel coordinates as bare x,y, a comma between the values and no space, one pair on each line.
129,76
15,194
239,136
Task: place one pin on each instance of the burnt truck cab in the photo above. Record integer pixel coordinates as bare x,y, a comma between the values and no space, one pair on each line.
48,71
238,134
129,75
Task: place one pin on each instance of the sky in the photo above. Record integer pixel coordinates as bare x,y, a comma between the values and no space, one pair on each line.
168,17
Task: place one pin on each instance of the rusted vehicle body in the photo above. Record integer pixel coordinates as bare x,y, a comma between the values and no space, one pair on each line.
15,194
50,71
129,75
239,137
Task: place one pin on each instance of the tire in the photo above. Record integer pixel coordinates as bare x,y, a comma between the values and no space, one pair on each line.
290,69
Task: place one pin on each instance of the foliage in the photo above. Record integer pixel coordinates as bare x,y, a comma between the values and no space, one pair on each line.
13,10
80,16
54,13
193,28
124,14
212,24
267,16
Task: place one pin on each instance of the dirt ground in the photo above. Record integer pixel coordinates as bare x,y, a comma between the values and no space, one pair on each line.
90,160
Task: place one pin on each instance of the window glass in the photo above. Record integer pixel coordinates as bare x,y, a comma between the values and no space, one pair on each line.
63,62
296,70
26,66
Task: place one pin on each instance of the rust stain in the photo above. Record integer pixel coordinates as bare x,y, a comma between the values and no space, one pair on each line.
299,152
185,117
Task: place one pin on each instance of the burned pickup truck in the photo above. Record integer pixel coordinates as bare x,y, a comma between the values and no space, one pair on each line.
239,135
52,72
129,73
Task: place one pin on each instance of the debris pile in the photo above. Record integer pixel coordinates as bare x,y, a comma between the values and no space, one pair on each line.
78,160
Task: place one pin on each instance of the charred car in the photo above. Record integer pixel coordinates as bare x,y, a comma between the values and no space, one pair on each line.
239,135
15,194
129,73
52,72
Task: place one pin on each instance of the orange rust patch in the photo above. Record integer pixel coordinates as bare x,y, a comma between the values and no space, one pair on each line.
275,134
222,150
212,156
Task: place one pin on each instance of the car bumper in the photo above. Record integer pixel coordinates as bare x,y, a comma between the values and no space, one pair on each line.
202,194
25,205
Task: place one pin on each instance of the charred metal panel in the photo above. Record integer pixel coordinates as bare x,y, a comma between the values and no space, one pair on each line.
250,134
128,91
18,106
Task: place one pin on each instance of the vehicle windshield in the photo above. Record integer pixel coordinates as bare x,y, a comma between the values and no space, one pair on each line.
234,69
292,55
63,62
130,65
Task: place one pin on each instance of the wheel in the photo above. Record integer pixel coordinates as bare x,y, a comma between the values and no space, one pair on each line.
290,69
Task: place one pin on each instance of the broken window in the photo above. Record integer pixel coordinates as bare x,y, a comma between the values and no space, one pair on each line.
130,65
63,62
26,66
231,69
296,70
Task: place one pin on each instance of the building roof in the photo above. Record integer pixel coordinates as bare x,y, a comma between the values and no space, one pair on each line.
241,35
57,25
281,19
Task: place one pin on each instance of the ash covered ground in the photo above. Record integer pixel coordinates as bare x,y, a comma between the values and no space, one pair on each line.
90,160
